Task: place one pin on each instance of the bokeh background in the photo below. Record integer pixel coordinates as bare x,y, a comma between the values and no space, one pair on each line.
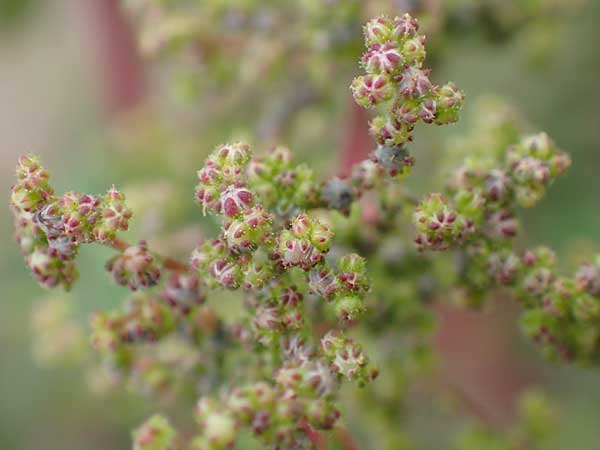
69,79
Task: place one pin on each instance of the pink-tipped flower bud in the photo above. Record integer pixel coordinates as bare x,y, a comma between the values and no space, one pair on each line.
414,83
233,201
114,216
50,270
371,90
377,31
226,273
135,268
322,281
404,26
389,132
383,58
414,51
154,434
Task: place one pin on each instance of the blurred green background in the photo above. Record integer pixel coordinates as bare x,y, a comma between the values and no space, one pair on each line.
52,103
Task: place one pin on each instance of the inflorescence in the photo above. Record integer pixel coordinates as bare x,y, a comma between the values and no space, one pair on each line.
275,247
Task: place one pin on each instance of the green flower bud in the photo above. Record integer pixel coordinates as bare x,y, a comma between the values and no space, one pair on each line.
377,31
154,434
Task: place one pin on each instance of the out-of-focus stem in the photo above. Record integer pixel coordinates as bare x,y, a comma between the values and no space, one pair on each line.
119,59
357,141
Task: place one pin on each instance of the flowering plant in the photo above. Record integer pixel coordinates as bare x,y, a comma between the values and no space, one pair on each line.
277,371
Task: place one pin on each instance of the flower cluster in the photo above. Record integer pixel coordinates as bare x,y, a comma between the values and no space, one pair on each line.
563,313
50,228
395,78
304,244
283,187
344,286
485,191
221,188
299,399
273,364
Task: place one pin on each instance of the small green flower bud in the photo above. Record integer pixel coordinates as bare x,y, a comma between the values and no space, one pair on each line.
438,224
504,267
347,358
348,308
321,414
258,271
586,308
233,201
219,426
154,434
24,200
377,31
31,176
449,100
226,273
501,224
353,273
534,163
387,131
414,51
365,175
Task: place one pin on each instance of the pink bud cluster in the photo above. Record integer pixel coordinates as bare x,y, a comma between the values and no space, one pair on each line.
136,267
343,286
283,187
485,192
49,229
278,412
221,187
279,314
438,224
304,244
395,78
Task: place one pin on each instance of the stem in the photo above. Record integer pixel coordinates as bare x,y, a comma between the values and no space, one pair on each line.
118,55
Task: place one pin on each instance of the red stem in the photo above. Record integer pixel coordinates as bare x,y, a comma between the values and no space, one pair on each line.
120,62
